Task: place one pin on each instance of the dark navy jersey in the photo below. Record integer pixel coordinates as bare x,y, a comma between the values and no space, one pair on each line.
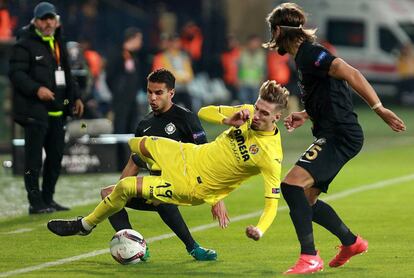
178,123
328,101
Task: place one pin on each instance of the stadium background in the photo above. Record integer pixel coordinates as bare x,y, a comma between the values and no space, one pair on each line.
374,191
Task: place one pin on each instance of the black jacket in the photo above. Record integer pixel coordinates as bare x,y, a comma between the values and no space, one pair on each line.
124,85
33,65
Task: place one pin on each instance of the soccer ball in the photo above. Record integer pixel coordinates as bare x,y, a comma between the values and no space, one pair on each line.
128,247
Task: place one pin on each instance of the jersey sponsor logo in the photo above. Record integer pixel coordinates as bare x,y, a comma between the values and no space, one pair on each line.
321,56
253,149
145,129
275,190
170,128
241,144
199,134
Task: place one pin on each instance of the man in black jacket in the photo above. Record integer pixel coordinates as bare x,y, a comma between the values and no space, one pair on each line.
44,94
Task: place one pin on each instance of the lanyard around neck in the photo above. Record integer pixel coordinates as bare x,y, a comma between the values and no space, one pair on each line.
53,45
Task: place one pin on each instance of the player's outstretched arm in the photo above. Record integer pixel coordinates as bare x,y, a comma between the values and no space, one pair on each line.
341,70
268,215
219,212
218,114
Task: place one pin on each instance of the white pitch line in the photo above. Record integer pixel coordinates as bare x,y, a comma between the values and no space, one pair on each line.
19,231
335,196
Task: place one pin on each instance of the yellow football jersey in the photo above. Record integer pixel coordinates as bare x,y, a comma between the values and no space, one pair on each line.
236,155
193,174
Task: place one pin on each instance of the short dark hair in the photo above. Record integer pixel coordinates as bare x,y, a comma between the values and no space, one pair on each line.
162,76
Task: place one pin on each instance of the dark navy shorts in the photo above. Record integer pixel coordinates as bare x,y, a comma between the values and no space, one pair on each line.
327,155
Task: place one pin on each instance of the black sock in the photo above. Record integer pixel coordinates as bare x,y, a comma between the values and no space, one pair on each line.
324,215
120,220
301,215
172,217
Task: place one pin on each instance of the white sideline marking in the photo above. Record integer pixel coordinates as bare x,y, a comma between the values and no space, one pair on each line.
335,196
23,230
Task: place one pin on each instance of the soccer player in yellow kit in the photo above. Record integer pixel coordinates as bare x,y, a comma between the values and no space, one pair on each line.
195,174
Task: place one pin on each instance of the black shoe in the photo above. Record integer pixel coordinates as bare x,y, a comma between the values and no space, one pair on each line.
57,207
41,210
67,227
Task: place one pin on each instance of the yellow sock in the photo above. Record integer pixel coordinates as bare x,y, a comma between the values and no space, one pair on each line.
114,202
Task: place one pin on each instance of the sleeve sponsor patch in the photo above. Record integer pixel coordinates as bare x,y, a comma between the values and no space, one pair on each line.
199,134
321,56
275,190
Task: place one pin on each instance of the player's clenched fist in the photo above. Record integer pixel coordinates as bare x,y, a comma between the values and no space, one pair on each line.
295,120
238,118
253,232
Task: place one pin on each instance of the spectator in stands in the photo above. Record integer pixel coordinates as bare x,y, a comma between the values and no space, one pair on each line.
100,90
84,79
282,69
178,62
192,43
230,63
5,22
124,78
252,69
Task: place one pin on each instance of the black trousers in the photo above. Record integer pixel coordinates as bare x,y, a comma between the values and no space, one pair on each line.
52,140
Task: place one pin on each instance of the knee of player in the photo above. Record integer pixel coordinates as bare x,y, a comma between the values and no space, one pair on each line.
106,191
126,187
121,184
103,193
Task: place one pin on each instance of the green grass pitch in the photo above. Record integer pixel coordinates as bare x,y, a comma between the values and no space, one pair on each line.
373,194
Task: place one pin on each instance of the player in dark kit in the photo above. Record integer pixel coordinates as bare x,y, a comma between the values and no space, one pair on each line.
326,83
171,121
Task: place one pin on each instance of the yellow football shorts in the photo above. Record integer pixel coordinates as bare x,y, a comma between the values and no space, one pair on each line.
177,182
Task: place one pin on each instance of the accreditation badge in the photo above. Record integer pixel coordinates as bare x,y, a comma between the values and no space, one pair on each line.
60,77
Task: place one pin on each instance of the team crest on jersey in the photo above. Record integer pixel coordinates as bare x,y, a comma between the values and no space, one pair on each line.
253,149
170,128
